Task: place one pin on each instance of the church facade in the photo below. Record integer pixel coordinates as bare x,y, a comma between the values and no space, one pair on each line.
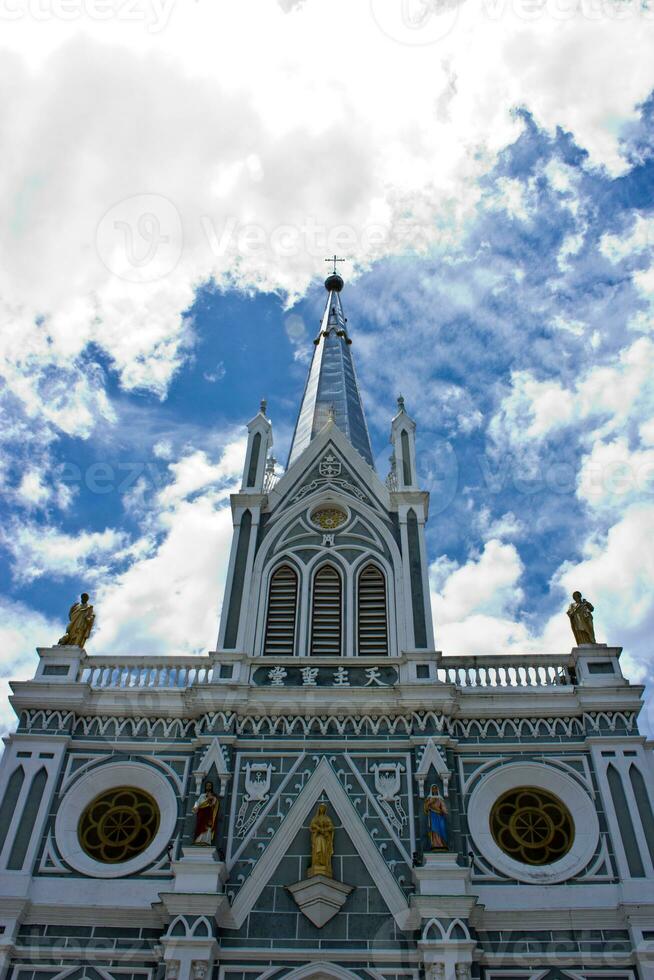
326,795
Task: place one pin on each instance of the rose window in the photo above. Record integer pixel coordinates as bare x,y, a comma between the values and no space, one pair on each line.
532,826
328,518
118,825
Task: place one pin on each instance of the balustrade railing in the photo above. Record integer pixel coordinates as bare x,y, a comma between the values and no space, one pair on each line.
141,673
534,671
538,671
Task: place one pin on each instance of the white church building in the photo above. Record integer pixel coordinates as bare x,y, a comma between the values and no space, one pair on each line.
491,817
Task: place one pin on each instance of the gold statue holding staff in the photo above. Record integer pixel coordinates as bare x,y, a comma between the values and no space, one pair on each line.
580,612
81,618
322,843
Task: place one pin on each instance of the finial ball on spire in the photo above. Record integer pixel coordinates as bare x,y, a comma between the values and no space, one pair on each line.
334,282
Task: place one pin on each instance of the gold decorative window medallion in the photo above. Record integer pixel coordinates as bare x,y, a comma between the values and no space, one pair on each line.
531,825
328,518
118,825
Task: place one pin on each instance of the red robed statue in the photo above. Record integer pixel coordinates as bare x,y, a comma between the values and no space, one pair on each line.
206,815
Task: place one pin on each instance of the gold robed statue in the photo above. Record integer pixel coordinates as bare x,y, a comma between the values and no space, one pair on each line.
81,618
322,843
206,815
580,612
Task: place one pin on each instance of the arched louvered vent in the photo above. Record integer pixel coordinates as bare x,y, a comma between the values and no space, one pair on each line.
282,607
373,628
326,613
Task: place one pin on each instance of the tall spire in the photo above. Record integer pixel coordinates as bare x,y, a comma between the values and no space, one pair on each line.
332,388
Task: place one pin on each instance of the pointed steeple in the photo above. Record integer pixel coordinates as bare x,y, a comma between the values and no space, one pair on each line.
332,386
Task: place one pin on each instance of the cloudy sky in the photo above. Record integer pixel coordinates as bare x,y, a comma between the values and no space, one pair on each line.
174,173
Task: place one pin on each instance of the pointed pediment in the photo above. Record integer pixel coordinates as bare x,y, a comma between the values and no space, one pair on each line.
213,758
432,758
322,781
348,468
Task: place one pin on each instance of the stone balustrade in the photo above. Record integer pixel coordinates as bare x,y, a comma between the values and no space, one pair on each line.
532,671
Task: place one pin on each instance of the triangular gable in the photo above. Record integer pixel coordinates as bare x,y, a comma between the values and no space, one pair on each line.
213,757
294,475
432,755
322,780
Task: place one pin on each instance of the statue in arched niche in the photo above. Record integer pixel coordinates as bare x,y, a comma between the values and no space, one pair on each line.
206,815
436,812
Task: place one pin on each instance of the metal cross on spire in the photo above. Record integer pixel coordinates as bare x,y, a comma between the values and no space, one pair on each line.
334,258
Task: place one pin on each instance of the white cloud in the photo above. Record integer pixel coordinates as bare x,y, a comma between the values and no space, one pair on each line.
167,601
616,574
22,629
38,550
640,237
261,207
487,584
31,489
613,475
610,395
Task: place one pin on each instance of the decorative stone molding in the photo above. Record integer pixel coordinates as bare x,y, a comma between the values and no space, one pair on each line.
432,756
587,723
214,756
320,898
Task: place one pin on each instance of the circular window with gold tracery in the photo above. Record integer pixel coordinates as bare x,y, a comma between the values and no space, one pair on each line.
532,825
328,518
118,825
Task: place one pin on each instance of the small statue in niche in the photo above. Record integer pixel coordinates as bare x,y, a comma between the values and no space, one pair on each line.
80,623
206,815
580,612
436,812
322,843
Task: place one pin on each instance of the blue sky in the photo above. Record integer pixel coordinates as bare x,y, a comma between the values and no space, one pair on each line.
496,207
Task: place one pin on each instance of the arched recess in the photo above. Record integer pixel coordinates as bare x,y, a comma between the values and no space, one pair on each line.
10,801
254,460
415,572
238,579
320,971
28,820
372,612
627,832
644,806
407,477
281,616
326,637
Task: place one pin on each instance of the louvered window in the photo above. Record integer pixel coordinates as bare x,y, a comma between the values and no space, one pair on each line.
373,628
282,606
326,613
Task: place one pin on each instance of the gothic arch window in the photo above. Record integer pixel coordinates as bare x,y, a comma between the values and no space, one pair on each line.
372,613
326,613
625,823
254,460
406,459
644,806
27,822
279,637
10,802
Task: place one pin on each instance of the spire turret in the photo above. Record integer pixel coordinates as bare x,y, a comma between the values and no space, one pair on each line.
332,384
